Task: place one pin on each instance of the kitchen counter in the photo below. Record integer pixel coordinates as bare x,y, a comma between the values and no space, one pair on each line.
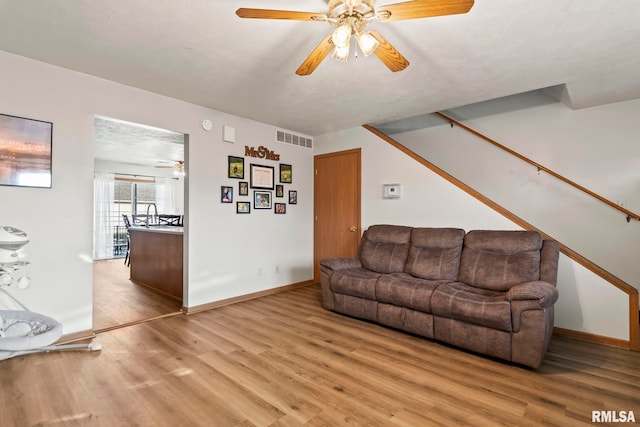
156,254
159,229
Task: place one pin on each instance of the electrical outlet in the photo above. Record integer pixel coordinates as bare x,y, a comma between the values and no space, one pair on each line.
259,272
277,269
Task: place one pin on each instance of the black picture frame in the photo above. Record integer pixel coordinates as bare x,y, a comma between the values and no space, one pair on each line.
243,207
261,177
262,200
279,190
243,188
236,167
280,208
226,194
286,173
293,197
25,152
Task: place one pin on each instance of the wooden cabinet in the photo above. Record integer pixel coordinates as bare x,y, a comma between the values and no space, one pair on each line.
156,259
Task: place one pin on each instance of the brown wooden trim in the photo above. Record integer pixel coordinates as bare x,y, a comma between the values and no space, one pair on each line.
137,179
612,342
615,281
634,320
609,277
540,167
137,322
204,307
76,336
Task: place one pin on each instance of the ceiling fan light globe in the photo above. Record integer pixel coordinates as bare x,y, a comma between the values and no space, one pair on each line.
341,53
368,44
341,35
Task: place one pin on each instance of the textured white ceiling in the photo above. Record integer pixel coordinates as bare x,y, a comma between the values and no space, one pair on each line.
125,142
201,52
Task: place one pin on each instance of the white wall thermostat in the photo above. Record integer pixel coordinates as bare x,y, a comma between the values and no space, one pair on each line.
207,125
391,191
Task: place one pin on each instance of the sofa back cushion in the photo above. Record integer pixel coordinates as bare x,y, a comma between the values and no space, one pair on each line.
434,253
498,260
384,248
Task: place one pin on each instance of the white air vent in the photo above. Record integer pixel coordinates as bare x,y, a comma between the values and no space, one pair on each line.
293,139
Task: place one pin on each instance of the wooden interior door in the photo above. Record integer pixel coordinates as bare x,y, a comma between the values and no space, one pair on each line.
337,206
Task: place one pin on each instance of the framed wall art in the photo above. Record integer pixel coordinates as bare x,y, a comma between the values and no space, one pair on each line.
236,167
243,188
285,173
280,208
226,194
261,176
262,200
293,197
25,152
279,190
243,207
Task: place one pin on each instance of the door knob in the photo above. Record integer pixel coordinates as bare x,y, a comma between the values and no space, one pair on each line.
353,228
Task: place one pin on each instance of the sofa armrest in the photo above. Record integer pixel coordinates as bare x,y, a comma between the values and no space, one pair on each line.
545,293
340,263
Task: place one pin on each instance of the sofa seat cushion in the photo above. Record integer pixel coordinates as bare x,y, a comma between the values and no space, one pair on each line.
384,248
357,282
498,260
435,253
483,307
404,290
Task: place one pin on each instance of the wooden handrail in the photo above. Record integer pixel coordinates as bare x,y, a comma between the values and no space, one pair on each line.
632,292
630,215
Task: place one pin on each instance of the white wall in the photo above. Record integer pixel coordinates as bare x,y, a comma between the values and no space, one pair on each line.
228,254
596,148
429,200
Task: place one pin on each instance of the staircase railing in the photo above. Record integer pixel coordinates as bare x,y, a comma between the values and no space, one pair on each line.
630,215
634,315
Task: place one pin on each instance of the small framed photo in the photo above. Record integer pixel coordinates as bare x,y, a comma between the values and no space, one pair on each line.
293,197
261,176
262,199
236,167
243,188
279,190
285,173
281,208
243,207
226,194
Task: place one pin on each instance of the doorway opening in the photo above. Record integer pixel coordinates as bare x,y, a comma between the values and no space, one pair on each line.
139,185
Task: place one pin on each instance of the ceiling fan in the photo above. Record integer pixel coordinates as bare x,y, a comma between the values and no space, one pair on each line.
350,17
177,166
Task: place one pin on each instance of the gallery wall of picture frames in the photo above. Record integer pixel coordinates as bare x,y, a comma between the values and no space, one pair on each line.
261,180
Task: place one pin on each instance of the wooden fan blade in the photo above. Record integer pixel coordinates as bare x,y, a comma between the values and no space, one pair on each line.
280,14
388,54
414,9
315,58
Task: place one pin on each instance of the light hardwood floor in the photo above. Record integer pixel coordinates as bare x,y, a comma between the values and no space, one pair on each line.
117,301
282,360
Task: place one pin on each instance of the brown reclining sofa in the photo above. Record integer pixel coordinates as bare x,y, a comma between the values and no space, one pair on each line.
490,292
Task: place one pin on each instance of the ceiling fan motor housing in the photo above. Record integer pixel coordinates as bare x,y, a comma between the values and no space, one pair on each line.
343,11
